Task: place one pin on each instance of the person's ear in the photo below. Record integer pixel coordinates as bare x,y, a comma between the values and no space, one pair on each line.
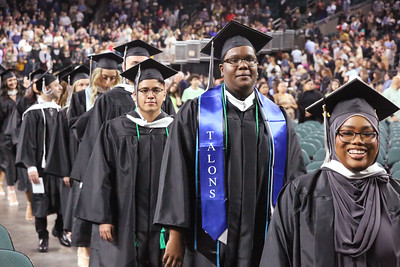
221,69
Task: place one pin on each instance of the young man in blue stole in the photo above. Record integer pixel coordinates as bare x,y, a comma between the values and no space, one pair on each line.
229,153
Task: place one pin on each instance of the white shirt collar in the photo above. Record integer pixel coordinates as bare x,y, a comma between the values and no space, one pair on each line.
242,105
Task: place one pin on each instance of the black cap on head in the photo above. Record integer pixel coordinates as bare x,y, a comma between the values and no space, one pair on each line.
235,34
137,48
149,69
80,72
60,74
108,60
7,74
36,74
354,90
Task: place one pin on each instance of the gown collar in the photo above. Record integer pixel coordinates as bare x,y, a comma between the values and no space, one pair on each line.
338,167
161,121
242,105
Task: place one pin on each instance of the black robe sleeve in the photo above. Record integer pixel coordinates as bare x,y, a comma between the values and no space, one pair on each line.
27,144
177,172
77,107
94,203
58,159
279,245
168,106
94,120
80,124
14,124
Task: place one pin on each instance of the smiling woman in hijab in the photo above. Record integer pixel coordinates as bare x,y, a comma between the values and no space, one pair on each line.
347,213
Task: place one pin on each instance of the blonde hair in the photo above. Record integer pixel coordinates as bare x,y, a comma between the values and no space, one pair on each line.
95,83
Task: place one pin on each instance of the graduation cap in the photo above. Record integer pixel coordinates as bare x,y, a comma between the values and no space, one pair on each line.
60,74
80,72
108,60
2,68
137,48
234,34
147,70
35,74
43,80
355,89
8,73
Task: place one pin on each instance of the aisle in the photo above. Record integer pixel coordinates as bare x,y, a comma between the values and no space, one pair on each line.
25,239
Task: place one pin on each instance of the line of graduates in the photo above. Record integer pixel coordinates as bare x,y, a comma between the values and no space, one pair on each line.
137,185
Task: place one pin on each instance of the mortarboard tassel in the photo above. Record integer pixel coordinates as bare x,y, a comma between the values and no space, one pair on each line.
326,133
137,84
69,91
126,49
211,68
90,71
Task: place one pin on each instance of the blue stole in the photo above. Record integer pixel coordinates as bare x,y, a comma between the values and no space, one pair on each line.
211,156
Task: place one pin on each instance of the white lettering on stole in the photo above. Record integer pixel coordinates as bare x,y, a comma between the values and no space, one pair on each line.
213,181
211,169
212,193
211,147
209,134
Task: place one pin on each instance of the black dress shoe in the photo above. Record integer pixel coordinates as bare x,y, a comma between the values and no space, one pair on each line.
54,232
64,239
43,245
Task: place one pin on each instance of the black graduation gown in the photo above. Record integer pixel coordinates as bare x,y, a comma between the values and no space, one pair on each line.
168,107
30,152
301,232
246,173
305,99
108,106
13,129
120,188
58,162
7,149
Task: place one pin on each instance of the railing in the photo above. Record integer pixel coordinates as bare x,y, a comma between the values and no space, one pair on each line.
189,51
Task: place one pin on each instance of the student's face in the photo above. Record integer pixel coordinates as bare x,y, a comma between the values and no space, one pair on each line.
357,155
242,77
151,95
56,88
12,83
133,60
81,84
107,78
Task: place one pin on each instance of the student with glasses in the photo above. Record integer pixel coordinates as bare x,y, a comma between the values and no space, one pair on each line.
347,212
119,192
217,182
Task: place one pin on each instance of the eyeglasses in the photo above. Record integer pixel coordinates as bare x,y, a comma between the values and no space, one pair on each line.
146,92
235,62
347,136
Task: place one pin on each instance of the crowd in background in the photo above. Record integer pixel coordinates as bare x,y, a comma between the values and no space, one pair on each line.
55,34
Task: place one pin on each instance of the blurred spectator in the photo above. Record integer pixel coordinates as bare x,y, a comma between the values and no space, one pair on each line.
193,90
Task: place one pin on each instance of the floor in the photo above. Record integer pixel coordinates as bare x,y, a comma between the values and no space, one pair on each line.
25,239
